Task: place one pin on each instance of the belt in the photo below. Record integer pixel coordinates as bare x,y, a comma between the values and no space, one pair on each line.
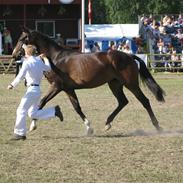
34,85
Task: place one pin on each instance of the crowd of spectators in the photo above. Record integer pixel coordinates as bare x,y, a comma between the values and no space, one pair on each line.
131,46
166,35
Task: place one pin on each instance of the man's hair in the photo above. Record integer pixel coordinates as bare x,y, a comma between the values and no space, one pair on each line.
30,50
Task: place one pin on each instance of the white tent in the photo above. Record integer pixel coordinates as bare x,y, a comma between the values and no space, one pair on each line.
111,31
105,33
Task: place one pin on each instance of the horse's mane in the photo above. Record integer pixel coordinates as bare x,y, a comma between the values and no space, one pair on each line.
47,41
45,38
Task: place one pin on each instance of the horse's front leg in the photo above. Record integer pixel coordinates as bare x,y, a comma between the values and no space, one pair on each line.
53,91
74,100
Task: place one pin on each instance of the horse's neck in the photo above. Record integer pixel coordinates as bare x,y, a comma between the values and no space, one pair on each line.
52,53
59,54
54,56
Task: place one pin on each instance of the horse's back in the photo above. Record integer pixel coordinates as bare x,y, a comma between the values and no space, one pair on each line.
95,69
86,70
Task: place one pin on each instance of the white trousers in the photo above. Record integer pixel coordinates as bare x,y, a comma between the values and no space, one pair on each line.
29,105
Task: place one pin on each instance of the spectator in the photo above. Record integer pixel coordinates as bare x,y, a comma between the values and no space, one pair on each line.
181,59
167,38
179,34
8,44
161,28
120,47
164,20
59,40
127,49
174,59
1,46
155,30
96,47
87,47
180,19
160,45
112,46
140,50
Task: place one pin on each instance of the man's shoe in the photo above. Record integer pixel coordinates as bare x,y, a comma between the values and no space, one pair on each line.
18,137
58,113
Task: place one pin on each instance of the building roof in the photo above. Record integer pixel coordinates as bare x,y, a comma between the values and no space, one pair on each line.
8,2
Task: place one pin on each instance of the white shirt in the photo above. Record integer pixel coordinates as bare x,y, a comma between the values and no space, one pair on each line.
32,70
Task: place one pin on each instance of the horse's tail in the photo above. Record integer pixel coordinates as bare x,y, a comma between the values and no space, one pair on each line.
148,79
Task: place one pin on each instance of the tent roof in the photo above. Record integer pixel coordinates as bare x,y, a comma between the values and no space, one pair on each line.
111,31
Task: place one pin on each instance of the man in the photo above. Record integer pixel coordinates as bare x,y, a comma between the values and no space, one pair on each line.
32,70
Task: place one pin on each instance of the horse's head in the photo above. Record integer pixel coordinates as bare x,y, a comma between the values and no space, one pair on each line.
23,39
43,43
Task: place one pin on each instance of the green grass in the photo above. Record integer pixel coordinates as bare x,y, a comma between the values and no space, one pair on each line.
131,152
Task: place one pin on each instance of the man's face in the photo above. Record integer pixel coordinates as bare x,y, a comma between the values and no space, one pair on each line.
26,55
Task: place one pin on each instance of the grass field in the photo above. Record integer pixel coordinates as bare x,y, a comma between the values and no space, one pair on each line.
131,152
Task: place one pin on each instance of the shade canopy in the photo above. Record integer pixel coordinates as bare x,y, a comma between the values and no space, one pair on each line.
111,31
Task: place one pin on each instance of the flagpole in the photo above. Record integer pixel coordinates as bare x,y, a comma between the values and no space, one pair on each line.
83,26
89,12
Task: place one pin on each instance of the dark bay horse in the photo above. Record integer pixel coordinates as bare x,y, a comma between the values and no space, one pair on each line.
72,71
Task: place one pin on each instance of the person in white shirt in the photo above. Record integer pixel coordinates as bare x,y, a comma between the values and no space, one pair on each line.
32,70
127,49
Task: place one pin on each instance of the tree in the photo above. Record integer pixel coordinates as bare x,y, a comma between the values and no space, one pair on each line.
98,12
125,11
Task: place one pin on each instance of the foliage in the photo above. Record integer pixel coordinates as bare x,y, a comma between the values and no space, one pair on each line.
98,11
125,11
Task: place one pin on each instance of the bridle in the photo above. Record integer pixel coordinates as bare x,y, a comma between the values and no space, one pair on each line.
23,42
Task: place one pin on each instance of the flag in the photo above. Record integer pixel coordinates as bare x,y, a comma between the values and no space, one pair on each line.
89,11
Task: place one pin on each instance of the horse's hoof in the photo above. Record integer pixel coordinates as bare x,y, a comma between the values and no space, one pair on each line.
107,127
159,129
90,132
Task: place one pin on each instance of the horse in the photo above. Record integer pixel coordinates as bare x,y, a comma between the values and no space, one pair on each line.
72,70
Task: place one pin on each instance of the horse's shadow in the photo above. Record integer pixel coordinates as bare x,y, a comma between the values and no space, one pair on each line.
136,133
142,133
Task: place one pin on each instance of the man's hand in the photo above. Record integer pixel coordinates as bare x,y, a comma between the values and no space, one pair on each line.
10,87
43,57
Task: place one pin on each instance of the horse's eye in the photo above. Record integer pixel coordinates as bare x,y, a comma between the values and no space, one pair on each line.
24,40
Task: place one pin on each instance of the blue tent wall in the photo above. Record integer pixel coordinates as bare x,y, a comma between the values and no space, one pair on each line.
105,43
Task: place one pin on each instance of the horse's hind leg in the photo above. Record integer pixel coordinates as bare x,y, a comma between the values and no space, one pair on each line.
145,102
74,100
117,90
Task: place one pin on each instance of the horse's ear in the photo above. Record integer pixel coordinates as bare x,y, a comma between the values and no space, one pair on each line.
25,29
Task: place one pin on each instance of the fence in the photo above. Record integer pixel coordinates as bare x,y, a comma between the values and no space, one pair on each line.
155,62
164,62
7,64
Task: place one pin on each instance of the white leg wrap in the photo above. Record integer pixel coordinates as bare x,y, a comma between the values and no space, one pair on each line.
87,123
88,127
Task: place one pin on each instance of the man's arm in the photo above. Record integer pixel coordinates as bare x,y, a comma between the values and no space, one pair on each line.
47,66
19,77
